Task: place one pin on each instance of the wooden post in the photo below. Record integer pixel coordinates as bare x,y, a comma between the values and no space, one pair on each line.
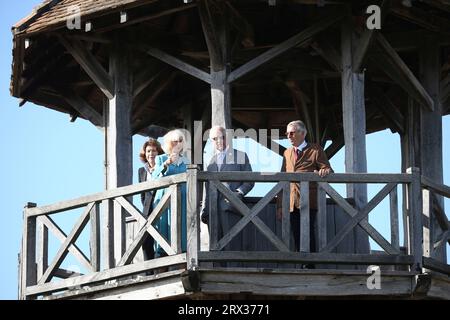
431,136
192,219
410,149
28,254
321,218
119,168
354,121
95,237
415,219
188,125
213,225
42,248
214,23
304,217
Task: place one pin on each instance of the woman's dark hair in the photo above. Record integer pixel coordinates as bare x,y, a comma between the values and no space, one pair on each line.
152,143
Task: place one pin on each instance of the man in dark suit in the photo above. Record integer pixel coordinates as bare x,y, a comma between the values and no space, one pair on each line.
225,158
303,157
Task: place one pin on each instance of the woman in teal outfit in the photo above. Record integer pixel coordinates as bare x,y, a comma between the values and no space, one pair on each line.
172,162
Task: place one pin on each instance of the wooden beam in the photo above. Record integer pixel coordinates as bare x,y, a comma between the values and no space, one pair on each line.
335,146
192,218
41,75
388,108
148,97
364,42
215,26
107,274
42,247
66,274
422,18
443,5
327,51
294,41
119,155
82,107
445,90
145,77
145,18
431,136
301,107
90,65
242,25
211,19
28,272
179,64
168,108
394,59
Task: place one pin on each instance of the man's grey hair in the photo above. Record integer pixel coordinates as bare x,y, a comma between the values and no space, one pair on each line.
299,125
217,128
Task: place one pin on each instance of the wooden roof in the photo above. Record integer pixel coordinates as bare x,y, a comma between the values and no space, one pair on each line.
294,85
53,14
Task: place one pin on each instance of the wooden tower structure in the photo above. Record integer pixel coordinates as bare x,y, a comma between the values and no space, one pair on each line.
144,66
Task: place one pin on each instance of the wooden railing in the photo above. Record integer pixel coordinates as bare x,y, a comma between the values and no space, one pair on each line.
106,236
437,226
358,217
36,273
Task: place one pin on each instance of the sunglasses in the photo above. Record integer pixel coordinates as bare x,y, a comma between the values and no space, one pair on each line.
290,133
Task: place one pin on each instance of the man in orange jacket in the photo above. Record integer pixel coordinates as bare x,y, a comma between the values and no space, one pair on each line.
303,157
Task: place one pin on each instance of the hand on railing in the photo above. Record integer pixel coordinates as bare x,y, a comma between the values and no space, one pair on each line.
323,172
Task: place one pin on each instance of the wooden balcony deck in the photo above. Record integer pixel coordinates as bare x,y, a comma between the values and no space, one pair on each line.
412,271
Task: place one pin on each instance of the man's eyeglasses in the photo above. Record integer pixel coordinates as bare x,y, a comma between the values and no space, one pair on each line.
290,133
218,138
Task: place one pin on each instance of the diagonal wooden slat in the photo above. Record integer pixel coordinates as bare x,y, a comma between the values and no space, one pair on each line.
179,64
146,226
445,237
284,46
249,216
131,209
128,256
161,206
357,219
72,237
73,248
244,210
439,213
365,41
90,65
418,91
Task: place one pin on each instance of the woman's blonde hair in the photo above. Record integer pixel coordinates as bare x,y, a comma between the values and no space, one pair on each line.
174,135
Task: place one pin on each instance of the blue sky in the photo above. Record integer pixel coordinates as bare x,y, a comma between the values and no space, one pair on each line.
47,159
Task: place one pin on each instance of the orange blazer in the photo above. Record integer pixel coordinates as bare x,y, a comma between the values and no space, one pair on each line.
312,158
